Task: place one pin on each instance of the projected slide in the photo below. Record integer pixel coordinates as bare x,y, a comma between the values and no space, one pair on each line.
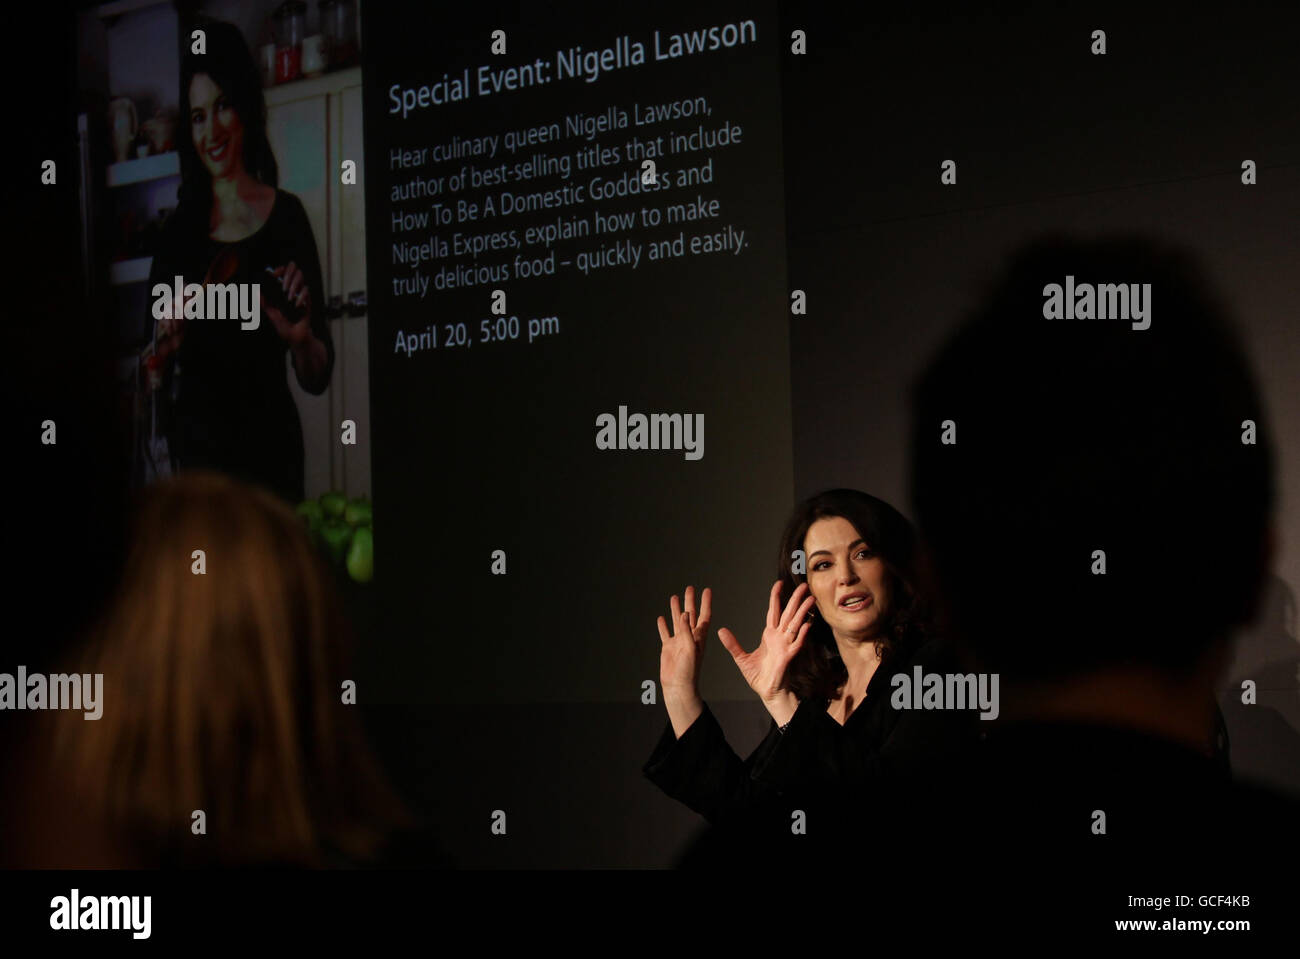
577,260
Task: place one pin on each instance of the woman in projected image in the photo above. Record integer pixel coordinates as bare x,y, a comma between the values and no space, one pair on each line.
230,408
835,637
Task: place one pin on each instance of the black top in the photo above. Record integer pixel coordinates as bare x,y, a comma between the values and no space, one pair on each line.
838,776
232,410
1042,785
1059,823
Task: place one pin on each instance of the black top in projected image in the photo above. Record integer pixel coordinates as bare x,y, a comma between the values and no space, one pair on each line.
231,408
834,774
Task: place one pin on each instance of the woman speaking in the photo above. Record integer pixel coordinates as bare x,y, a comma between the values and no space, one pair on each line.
839,626
231,409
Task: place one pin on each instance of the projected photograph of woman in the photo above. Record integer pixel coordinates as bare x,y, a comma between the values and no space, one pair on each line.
838,627
227,405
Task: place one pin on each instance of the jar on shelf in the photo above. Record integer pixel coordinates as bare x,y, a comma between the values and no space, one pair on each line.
290,20
338,23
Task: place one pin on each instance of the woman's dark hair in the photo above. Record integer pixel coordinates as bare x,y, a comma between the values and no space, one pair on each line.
231,66
817,671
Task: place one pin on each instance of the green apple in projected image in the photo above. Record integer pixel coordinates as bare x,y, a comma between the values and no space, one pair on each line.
311,512
337,535
358,512
333,503
361,555
313,517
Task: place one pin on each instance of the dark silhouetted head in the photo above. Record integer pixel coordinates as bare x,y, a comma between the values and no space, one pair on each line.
1076,438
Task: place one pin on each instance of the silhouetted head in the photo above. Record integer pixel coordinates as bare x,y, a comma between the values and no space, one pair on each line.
223,691
1074,443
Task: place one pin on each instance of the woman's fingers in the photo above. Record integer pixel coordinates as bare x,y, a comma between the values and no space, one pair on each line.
706,615
788,618
677,613
276,316
292,280
774,606
797,644
664,635
732,644
690,608
805,609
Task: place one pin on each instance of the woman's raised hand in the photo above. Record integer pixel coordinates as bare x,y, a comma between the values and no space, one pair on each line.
764,668
683,647
293,282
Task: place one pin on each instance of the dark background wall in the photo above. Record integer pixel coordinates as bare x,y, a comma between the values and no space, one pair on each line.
1046,136
1148,138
